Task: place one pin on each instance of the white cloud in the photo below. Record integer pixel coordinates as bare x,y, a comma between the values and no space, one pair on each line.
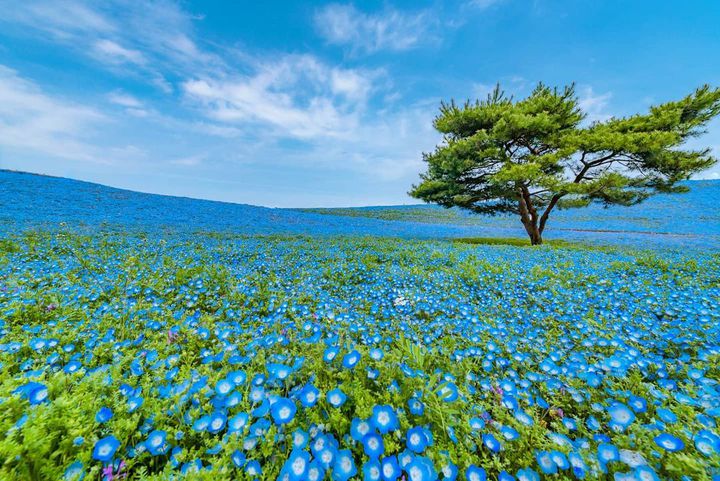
124,100
594,105
386,30
32,120
298,96
114,53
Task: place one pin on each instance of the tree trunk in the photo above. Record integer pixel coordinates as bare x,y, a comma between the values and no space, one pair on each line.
529,217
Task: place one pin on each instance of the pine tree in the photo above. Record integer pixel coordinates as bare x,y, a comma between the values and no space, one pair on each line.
530,156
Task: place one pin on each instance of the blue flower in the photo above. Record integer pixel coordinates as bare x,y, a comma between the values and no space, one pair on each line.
343,466
217,422
238,458
359,428
449,472
621,416
608,453
297,464
351,359
421,469
559,459
491,443
104,415
105,448
373,445
74,472
237,422
336,398
416,439
330,354
309,396
300,438
283,411
546,463
253,468
315,471
415,406
384,419
646,473
669,442
155,443
389,469
475,473
372,470
527,474
505,476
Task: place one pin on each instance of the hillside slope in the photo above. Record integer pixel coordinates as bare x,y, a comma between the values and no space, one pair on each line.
29,201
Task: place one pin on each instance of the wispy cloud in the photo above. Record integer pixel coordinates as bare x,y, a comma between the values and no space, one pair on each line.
594,104
298,96
483,4
32,120
389,29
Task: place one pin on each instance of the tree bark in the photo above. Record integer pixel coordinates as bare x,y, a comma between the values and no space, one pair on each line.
528,216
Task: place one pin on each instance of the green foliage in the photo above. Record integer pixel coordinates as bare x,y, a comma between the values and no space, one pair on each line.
505,156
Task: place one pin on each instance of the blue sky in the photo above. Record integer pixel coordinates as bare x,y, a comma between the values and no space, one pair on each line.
312,103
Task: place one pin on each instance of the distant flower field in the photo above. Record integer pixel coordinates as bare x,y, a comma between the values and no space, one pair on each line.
125,356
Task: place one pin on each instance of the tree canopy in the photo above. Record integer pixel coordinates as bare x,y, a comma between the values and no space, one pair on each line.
529,156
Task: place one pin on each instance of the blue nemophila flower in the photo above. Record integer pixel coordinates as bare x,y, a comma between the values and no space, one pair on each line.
134,403
449,472
105,448
300,438
621,416
253,468
527,474
416,439
448,392
238,458
384,419
578,465
608,453
707,442
297,464
223,387
351,359
376,354
315,471
559,459
330,354
523,417
477,423
373,445
546,463
491,443
505,476
390,469
103,415
155,443
74,472
475,473
217,422
201,424
34,392
336,397
343,466
415,406
669,442
421,469
309,396
359,428
237,422
372,470
509,433
646,473
283,411
638,404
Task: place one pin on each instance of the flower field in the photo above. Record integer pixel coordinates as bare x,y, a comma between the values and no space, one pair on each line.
126,356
